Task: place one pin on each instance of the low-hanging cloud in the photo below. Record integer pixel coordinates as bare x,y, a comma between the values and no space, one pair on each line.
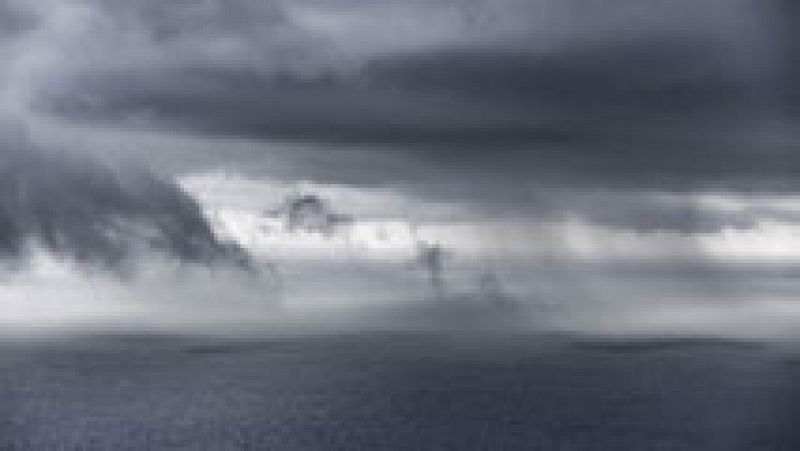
81,209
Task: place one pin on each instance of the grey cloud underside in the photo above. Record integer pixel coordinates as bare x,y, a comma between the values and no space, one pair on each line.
660,112
82,210
790,13
522,95
325,108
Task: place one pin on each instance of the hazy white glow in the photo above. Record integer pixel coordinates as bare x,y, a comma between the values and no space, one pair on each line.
232,191
759,318
268,238
385,225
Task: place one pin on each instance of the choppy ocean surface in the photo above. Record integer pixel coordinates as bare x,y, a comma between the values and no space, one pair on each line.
398,391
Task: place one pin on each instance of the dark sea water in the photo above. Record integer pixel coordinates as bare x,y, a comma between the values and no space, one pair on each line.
399,392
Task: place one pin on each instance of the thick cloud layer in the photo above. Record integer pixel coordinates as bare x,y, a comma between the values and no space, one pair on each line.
667,95
489,101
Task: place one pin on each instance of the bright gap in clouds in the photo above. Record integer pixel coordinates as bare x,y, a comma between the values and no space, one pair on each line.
390,221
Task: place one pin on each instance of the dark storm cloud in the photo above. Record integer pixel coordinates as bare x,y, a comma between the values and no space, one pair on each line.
96,215
325,108
651,111
663,106
789,12
442,97
460,99
658,75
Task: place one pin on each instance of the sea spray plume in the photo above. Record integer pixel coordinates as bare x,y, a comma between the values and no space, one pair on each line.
78,208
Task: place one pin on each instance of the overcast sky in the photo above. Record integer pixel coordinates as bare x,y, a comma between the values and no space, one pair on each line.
659,130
